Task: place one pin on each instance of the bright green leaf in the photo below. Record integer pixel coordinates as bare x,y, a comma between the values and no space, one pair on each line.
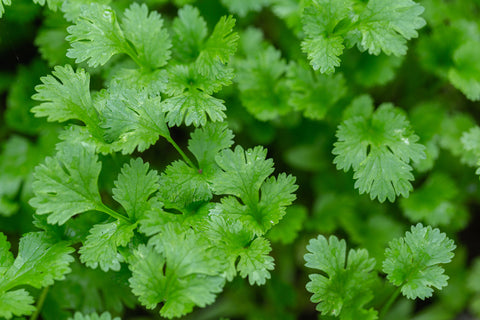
101,245
66,185
412,262
345,285
379,147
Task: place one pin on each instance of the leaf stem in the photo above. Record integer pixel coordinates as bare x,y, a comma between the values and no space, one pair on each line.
133,55
184,156
39,305
389,303
103,208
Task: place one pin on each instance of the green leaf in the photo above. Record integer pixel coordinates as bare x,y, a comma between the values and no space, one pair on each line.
189,33
39,262
190,92
244,177
193,108
6,257
145,31
471,140
345,285
190,30
322,45
89,289
287,230
66,185
324,53
243,172
313,93
255,262
183,187
2,4
435,203
52,4
96,36
93,316
261,80
412,262
380,25
218,48
242,7
242,252
206,142
183,273
465,74
378,147
17,160
134,187
386,25
132,120
66,96
101,246
16,303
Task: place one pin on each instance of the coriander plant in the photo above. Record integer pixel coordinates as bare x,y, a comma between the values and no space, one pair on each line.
240,159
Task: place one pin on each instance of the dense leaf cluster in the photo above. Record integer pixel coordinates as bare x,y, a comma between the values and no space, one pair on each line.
137,150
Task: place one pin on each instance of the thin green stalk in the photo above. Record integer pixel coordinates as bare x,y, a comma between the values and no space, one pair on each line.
184,156
389,303
103,208
132,54
39,304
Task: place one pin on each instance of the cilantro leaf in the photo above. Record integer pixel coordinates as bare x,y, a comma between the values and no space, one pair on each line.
134,187
244,253
344,287
255,262
100,248
471,144
386,25
412,262
181,271
465,74
66,96
39,262
189,33
146,33
244,176
2,4
96,36
378,25
193,106
471,140
378,147
191,99
287,230
218,48
206,142
243,172
242,7
52,4
66,185
314,94
16,303
322,45
93,316
132,120
190,85
6,257
435,203
183,187
261,80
